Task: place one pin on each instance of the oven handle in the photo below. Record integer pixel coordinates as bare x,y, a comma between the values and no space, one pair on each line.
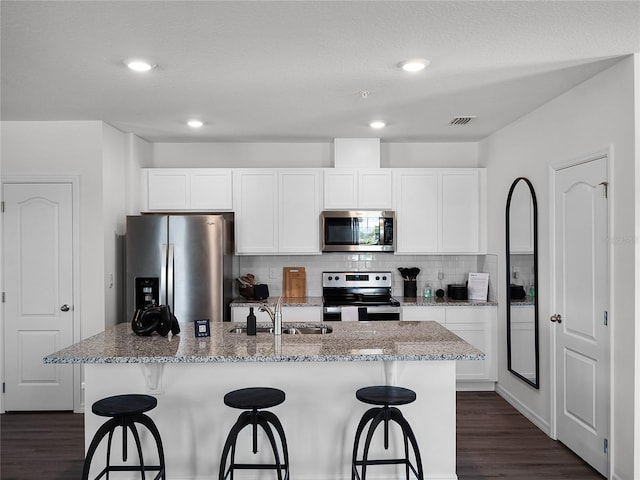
332,309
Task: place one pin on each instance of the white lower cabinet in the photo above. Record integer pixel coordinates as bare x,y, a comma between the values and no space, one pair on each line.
475,325
289,314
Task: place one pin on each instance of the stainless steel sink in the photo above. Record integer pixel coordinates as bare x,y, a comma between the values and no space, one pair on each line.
317,330
299,330
243,329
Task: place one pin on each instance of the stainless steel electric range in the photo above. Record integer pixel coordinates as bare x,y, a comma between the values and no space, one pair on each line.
358,296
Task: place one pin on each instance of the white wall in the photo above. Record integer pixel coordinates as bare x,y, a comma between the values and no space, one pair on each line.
96,153
586,119
115,151
307,155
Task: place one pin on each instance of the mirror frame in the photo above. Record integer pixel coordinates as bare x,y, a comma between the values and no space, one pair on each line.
535,384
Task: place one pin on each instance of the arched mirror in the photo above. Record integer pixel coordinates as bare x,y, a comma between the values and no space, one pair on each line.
522,282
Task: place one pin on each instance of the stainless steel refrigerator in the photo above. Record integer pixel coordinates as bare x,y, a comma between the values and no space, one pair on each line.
184,261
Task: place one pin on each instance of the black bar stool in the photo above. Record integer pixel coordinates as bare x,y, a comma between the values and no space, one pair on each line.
385,396
126,411
253,400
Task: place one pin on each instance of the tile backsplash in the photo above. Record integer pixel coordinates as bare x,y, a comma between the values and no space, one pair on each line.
454,268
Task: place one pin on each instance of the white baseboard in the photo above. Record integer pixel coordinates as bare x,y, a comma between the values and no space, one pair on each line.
467,386
524,410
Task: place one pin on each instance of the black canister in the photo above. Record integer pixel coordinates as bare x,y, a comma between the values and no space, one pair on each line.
251,322
410,288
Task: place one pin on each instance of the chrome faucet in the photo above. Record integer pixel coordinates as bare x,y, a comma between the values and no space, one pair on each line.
275,314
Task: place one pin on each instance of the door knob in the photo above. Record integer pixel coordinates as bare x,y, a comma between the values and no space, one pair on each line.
64,308
556,318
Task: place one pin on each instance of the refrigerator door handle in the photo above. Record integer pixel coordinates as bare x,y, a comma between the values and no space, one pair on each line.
170,280
163,276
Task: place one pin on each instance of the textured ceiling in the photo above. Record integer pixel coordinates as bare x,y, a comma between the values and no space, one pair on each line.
293,70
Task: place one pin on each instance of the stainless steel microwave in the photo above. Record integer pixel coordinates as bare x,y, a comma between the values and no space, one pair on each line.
358,231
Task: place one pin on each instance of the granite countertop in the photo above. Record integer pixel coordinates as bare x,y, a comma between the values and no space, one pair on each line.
286,302
350,341
404,302
442,302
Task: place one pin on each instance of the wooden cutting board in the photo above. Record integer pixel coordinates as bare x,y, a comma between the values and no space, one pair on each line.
294,282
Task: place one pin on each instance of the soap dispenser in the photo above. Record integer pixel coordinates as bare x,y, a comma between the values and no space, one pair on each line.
251,322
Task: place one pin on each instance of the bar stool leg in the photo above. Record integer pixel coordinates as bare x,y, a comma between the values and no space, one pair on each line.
275,421
272,440
153,429
243,420
406,429
106,428
365,454
368,415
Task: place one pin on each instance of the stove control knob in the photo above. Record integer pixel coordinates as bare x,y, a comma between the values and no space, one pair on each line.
337,278
329,278
384,278
377,277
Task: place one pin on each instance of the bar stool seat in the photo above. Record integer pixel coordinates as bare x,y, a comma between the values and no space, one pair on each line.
253,400
387,397
125,411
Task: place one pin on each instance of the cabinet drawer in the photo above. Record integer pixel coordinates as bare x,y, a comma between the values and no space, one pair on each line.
423,314
468,315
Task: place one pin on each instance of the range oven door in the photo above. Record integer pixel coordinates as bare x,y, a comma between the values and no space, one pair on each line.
362,314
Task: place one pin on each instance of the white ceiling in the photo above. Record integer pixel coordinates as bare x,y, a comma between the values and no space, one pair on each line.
293,70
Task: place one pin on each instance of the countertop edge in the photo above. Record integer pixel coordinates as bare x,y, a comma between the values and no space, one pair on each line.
257,359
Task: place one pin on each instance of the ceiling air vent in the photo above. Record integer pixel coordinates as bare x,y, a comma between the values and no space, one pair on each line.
461,120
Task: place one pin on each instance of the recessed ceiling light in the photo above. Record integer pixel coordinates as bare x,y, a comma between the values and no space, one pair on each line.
415,65
195,123
377,124
139,65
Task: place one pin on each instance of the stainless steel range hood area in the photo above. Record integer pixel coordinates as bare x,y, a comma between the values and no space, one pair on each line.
356,152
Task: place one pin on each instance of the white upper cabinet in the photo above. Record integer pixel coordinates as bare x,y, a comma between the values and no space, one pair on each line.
351,188
460,207
440,210
375,189
256,210
340,189
186,189
416,210
299,211
277,211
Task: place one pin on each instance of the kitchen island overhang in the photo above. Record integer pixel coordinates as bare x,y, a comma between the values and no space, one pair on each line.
319,373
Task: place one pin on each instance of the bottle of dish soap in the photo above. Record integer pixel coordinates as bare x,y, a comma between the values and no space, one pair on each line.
251,322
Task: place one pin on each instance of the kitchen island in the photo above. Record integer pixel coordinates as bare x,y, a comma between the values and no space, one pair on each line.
319,373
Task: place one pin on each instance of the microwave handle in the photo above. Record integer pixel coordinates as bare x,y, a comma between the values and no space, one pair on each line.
382,232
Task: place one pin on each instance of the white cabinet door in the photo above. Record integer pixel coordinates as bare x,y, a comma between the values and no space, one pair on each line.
168,189
440,210
340,188
375,189
255,200
211,189
475,325
416,211
350,189
299,215
187,189
459,214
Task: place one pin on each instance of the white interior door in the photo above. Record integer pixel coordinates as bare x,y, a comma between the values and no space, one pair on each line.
38,308
581,295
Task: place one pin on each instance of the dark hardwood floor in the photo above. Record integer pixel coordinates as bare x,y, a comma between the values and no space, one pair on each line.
494,442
